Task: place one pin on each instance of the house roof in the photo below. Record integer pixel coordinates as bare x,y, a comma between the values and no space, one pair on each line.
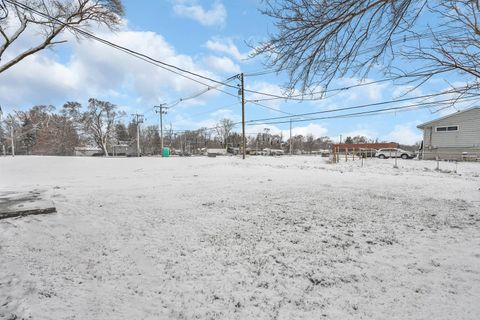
421,126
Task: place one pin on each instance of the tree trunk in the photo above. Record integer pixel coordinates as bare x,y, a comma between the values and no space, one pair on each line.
105,151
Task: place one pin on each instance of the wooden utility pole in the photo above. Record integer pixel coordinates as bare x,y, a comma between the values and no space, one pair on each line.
243,116
138,120
161,110
1,115
291,136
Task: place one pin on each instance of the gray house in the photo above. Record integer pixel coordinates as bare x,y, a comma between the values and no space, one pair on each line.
453,137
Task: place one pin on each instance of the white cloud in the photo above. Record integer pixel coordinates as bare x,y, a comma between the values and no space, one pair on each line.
399,91
266,87
404,134
354,96
223,114
216,15
222,64
96,70
315,129
226,46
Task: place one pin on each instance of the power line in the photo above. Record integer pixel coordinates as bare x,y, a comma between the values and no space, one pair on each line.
419,35
369,112
367,105
169,67
294,97
178,70
137,54
177,101
420,105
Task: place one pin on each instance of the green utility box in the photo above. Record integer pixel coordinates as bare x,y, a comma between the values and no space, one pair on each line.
166,152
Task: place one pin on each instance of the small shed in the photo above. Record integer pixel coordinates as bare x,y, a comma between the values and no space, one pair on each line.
213,152
87,151
453,137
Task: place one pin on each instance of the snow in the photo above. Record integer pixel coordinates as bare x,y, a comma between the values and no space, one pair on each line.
222,238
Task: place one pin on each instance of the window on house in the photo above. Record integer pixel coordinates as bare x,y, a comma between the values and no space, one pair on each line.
446,129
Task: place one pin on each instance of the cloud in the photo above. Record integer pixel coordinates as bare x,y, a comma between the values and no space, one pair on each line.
95,70
214,16
222,64
186,122
399,91
223,114
312,128
226,46
404,134
353,96
35,81
269,88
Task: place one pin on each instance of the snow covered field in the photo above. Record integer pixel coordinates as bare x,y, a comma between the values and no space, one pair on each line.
222,238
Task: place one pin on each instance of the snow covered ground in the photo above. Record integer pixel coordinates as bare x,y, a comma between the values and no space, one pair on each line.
222,238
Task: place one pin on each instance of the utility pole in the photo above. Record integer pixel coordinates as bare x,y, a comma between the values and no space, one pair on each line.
243,115
161,110
138,120
290,136
12,135
3,145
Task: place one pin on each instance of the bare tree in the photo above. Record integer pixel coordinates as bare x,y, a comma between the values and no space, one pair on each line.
33,122
309,143
16,18
318,40
223,128
59,138
99,122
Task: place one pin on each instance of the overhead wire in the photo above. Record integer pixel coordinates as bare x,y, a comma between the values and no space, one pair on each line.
164,65
420,105
372,104
180,71
362,113
177,101
137,54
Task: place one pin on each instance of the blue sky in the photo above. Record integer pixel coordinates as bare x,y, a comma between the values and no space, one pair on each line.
208,37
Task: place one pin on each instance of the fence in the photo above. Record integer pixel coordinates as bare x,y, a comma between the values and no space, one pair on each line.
362,155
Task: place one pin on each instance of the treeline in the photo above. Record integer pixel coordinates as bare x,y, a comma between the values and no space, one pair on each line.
43,130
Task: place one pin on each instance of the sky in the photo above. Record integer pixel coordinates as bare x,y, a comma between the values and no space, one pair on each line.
215,39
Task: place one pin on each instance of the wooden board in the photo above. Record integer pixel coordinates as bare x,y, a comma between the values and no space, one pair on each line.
15,204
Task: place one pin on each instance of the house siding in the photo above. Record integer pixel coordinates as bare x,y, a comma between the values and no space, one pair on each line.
457,154
454,145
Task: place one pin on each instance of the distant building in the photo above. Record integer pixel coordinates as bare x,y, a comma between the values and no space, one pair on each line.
273,152
453,137
216,152
87,151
